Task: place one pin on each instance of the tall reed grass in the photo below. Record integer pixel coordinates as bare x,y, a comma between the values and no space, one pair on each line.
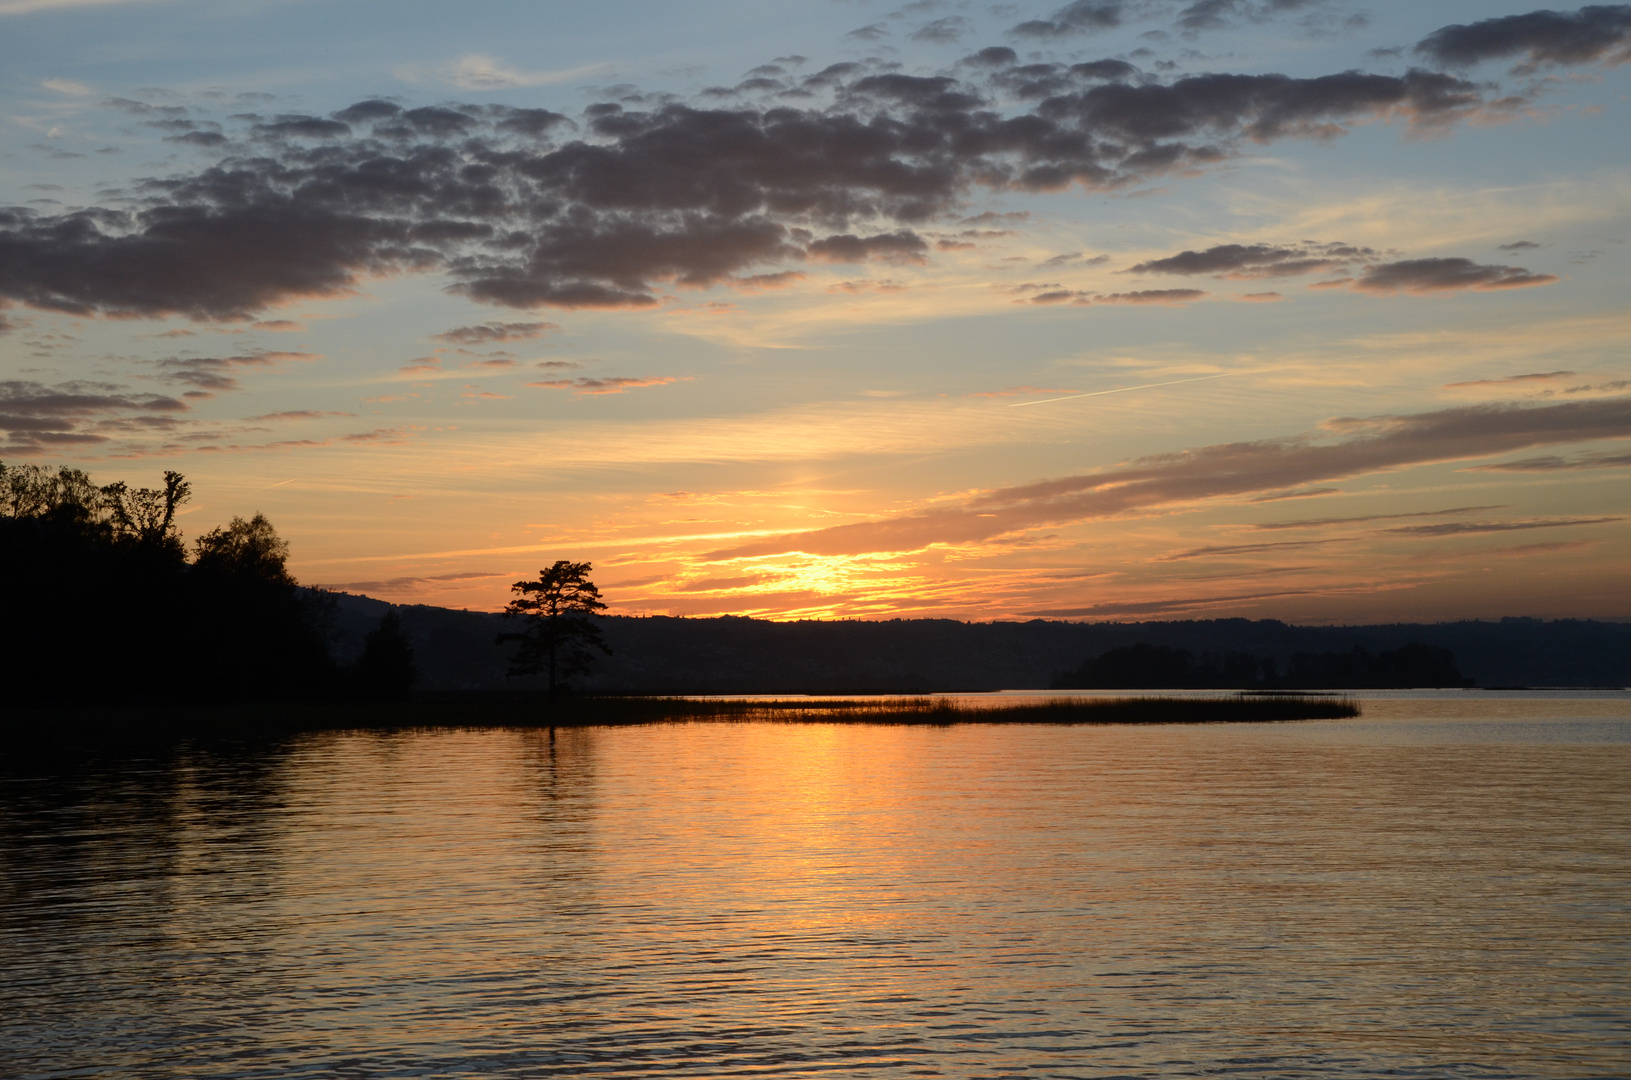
113,725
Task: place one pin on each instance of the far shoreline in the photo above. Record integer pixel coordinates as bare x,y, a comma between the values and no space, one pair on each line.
90,724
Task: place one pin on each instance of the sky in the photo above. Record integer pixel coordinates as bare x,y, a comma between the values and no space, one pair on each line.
1116,310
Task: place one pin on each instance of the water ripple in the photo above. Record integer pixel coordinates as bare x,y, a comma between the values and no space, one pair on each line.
1275,901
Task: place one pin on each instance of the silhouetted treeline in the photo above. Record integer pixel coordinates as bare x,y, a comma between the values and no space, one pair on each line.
1161,667
104,602
728,654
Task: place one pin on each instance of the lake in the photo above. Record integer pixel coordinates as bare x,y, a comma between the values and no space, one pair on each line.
1441,888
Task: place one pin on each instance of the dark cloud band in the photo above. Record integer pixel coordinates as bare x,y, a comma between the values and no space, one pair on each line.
1599,32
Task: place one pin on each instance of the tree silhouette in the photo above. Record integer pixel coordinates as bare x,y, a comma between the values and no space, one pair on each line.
558,633
146,516
386,670
246,550
101,601
253,632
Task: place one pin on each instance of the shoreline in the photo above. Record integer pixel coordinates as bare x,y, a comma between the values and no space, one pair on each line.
113,724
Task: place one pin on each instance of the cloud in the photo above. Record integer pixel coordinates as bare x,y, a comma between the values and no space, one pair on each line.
870,32
35,416
1157,607
411,584
1074,258
383,436
1557,464
1345,447
297,126
1081,17
944,31
495,333
1319,523
856,287
1062,296
1152,296
1511,380
1459,528
1598,32
1215,550
903,246
210,375
1446,275
70,87
994,56
596,387
24,7
1519,245
1223,14
722,583
1299,493
204,259
477,71
297,414
636,201
753,283
1248,261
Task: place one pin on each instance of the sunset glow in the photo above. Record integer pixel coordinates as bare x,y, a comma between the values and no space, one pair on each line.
1295,310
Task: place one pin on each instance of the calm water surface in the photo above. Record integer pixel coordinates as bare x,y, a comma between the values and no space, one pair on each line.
1439,889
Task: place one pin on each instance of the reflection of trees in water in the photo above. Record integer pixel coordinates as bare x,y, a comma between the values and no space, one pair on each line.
559,766
138,889
316,898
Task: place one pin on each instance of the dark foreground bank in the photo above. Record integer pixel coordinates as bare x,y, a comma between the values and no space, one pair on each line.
93,726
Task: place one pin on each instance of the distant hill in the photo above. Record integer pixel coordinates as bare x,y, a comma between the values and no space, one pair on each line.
455,650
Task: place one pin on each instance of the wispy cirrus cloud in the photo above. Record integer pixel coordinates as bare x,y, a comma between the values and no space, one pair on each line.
1461,528
496,333
26,7
596,387
1529,379
1346,447
479,71
1554,463
36,416
1320,523
211,375
410,584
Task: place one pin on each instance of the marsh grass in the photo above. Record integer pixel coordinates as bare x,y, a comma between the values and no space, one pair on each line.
105,725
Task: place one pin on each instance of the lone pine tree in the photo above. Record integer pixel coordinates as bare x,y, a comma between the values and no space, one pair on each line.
558,633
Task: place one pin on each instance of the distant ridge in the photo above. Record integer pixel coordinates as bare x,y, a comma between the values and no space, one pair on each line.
730,654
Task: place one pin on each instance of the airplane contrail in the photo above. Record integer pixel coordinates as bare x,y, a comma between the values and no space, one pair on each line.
1124,389
280,483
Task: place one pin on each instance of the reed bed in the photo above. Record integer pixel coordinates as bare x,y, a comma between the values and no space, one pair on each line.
102,726
944,711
